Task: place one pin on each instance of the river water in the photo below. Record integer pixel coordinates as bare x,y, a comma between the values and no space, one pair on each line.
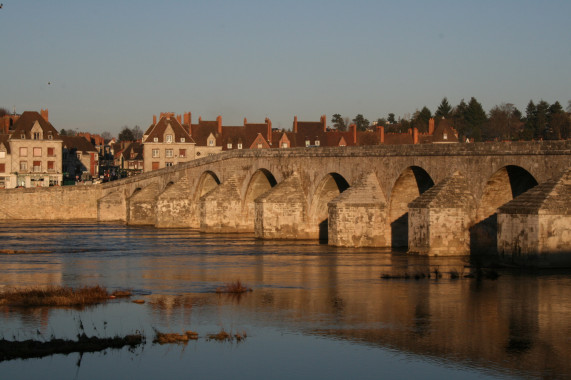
315,311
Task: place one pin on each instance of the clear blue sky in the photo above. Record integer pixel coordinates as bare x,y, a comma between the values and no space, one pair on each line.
116,62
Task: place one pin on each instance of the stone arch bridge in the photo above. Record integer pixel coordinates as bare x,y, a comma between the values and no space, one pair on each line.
433,199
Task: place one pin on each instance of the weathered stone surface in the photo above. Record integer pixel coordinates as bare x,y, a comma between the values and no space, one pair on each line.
221,209
439,219
142,206
536,226
112,207
281,213
358,216
176,208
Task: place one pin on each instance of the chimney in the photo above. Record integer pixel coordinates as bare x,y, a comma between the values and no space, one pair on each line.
381,131
154,119
245,121
431,126
353,129
187,118
45,115
199,119
415,136
269,123
179,119
219,122
295,124
324,122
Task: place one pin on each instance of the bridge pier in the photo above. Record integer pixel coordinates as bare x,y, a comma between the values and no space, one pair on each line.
281,213
142,206
535,228
358,216
112,207
221,209
439,219
175,206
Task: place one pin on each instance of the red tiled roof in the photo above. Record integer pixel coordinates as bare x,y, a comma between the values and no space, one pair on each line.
158,130
27,120
79,143
4,140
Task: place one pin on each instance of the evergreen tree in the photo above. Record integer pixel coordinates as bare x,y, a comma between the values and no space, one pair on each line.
361,123
126,134
443,110
338,122
421,118
391,118
475,118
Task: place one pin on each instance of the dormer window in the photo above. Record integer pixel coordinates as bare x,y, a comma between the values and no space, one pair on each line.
155,139
284,145
316,142
307,143
239,145
259,145
168,138
445,136
229,145
210,142
182,139
23,136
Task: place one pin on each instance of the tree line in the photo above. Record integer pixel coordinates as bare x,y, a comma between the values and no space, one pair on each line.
503,122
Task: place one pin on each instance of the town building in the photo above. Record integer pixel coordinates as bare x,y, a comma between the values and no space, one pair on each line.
80,159
31,153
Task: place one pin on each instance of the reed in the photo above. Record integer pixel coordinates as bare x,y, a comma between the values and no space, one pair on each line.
234,287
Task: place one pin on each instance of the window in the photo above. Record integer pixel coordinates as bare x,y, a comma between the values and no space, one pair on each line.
2,168
284,145
306,142
239,145
155,166
78,155
168,164
182,139
23,166
51,165
23,152
51,152
37,152
2,154
50,137
37,135
260,145
169,153
229,145
155,139
156,153
316,142
445,136
37,166
23,136
169,138
182,152
211,142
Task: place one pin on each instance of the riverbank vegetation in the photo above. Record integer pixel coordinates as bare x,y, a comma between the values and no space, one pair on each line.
60,296
235,287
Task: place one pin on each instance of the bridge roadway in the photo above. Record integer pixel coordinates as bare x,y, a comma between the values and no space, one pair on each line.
351,196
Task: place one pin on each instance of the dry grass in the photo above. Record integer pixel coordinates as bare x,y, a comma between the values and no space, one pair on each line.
121,294
234,288
166,338
224,336
139,301
54,296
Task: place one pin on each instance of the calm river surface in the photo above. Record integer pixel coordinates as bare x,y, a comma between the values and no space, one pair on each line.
315,312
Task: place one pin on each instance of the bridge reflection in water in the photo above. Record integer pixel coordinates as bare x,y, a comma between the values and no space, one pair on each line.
517,324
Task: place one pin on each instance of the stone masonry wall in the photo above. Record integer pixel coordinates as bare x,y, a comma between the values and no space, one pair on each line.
52,203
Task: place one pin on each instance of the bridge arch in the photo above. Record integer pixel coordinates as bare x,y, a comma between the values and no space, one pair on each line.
411,183
208,181
261,181
504,185
330,186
